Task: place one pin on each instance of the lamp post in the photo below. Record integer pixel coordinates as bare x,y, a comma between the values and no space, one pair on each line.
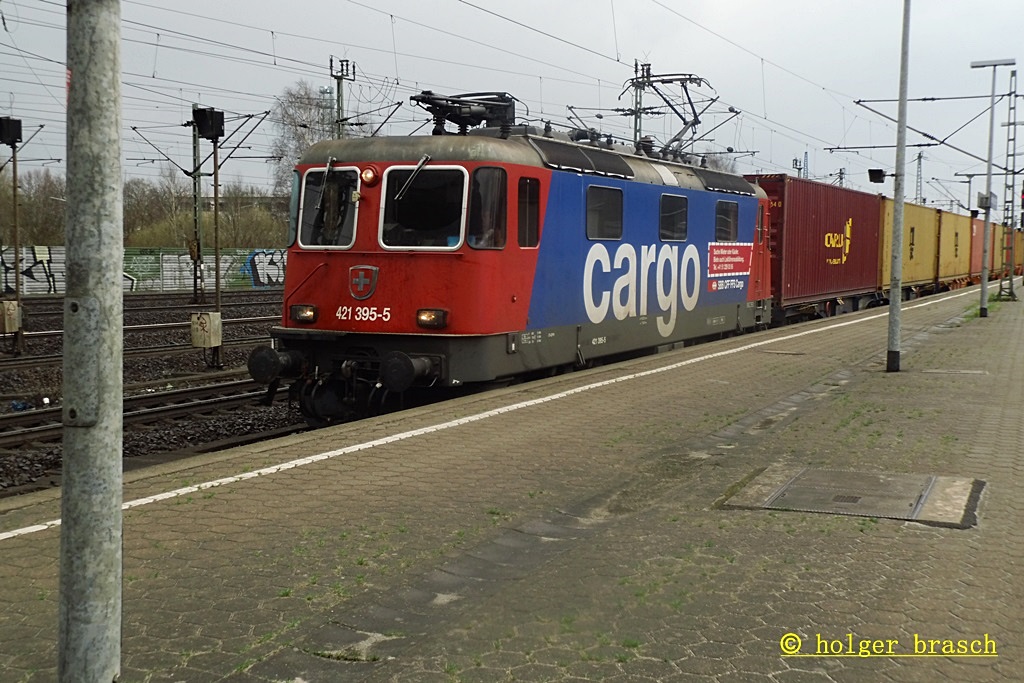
986,202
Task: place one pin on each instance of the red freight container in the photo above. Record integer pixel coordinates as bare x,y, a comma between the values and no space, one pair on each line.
824,240
977,241
995,249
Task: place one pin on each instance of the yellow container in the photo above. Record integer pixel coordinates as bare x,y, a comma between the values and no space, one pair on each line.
920,244
1018,251
1001,259
954,249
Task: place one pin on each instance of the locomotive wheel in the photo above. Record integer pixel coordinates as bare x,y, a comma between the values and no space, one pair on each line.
322,403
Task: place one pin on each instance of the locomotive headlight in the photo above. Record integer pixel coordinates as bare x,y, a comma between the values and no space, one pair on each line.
432,318
369,176
303,313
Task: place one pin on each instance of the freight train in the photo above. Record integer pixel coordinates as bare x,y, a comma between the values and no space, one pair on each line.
502,250
832,248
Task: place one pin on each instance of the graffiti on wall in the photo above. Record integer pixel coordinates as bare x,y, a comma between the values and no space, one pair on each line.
265,267
43,269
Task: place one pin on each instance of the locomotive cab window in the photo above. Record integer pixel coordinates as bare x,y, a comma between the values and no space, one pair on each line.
726,221
488,202
328,216
423,208
529,212
604,213
673,218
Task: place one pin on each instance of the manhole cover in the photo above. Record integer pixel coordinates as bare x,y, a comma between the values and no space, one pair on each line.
943,501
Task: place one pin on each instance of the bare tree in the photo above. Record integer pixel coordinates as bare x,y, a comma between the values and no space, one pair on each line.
721,162
41,200
251,217
302,116
174,192
143,205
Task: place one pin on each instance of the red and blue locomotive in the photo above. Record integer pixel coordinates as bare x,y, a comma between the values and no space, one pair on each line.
501,251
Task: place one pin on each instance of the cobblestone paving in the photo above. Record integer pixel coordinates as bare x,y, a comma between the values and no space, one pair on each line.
584,538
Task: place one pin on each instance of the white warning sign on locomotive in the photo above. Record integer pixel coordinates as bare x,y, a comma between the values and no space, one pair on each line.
729,258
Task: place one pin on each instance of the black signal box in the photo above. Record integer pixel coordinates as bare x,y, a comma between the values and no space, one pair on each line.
210,123
10,131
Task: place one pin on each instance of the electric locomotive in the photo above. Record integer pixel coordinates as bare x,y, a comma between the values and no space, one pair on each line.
498,251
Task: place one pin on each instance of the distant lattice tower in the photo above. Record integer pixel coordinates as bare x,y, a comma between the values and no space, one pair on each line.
919,195
1009,196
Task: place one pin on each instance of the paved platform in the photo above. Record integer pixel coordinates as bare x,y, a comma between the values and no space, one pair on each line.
578,529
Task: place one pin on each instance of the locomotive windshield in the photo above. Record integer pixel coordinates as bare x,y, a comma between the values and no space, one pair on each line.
328,213
429,212
487,209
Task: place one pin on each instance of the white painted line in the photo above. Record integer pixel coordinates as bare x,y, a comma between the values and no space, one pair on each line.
301,462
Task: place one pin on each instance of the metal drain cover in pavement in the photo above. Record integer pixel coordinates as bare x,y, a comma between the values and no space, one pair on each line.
940,501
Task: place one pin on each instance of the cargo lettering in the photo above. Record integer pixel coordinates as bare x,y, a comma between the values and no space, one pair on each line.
633,268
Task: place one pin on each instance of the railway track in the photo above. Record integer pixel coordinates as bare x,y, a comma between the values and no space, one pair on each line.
16,362
160,425
48,305
55,360
22,429
158,327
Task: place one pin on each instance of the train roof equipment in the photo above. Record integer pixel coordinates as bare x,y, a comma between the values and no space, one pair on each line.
495,109
487,128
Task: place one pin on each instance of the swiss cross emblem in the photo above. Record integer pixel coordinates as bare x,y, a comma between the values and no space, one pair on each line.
362,281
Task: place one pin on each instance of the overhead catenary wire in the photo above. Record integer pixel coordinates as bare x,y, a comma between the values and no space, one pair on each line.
384,87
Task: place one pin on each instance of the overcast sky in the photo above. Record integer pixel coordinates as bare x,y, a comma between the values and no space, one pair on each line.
793,67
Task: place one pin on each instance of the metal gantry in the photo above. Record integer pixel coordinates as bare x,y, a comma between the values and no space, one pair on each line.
1006,292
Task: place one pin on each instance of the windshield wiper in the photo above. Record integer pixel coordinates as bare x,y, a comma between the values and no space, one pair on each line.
318,215
323,187
415,172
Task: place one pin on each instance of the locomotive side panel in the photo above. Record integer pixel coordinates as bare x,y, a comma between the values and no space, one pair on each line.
617,263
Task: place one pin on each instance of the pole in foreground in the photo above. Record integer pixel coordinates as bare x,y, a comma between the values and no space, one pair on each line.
89,629
892,357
